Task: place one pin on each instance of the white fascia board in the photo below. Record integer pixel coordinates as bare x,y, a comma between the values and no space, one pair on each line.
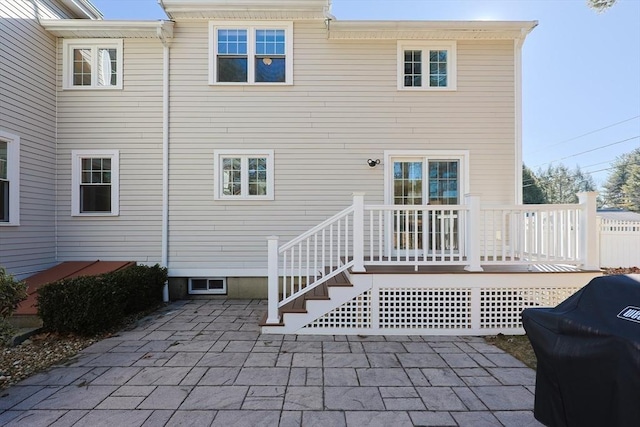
246,9
75,28
450,30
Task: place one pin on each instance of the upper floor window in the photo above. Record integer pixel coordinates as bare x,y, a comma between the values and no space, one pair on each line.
245,53
95,181
9,179
244,174
92,64
427,66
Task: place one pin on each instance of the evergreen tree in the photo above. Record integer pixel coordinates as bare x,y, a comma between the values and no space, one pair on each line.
622,188
561,185
532,194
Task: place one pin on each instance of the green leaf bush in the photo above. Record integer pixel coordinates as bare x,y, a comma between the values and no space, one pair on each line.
92,304
12,293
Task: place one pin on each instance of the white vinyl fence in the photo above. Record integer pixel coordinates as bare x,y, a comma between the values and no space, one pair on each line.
619,243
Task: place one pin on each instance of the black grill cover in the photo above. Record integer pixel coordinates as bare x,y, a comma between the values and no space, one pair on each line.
588,351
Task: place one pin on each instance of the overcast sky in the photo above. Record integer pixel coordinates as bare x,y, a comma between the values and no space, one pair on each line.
581,69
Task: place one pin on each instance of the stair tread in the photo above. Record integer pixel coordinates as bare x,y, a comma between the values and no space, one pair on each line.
339,280
320,292
298,305
263,321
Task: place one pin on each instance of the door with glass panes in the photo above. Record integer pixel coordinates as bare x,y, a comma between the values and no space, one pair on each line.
425,181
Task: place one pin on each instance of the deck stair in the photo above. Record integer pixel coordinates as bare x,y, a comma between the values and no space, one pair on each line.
313,304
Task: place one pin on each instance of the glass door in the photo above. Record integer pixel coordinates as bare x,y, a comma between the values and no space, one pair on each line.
443,190
422,181
408,189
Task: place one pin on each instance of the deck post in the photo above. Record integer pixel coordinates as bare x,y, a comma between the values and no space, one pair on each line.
473,232
273,316
358,232
589,252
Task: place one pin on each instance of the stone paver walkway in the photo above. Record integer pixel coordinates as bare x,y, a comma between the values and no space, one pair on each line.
205,363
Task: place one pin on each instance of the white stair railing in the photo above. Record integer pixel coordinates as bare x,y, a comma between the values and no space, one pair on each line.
309,260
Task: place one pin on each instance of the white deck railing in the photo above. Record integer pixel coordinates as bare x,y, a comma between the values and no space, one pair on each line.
468,234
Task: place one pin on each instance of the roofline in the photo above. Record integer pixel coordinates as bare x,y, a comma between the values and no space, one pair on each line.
430,29
79,28
210,8
83,9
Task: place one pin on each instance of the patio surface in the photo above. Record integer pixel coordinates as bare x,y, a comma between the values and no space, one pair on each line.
205,363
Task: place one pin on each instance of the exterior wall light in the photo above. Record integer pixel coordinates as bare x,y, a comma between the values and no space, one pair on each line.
373,163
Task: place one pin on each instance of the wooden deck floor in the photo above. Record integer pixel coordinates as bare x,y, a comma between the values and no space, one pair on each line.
449,269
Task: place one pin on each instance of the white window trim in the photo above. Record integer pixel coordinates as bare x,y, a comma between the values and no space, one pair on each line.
452,64
251,27
13,175
76,172
67,61
461,155
218,155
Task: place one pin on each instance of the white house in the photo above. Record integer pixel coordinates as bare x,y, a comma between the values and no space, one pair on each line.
187,142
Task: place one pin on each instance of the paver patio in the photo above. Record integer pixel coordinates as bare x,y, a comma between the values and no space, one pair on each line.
205,363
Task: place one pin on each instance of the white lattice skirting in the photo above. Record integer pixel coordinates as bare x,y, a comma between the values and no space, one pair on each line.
437,311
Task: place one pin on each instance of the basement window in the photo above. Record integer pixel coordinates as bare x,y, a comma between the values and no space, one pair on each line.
202,285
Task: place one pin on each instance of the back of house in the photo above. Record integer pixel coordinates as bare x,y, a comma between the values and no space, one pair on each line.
187,142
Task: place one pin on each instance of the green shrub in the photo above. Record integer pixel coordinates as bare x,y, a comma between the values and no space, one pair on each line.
142,285
89,305
12,293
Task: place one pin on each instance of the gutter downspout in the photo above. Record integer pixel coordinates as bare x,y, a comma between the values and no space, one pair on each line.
165,159
518,116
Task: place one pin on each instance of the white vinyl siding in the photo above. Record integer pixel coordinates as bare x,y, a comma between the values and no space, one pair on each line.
343,109
130,122
28,108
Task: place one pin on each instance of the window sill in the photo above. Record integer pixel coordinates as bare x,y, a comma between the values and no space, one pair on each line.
92,88
427,89
250,84
94,215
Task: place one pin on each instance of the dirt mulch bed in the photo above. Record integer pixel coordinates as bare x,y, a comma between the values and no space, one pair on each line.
38,353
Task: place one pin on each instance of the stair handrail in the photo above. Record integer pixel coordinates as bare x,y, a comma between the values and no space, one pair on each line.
320,275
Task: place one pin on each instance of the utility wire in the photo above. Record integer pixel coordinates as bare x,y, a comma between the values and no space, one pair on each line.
588,151
585,134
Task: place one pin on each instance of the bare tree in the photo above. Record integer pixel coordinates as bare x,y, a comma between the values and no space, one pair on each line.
600,5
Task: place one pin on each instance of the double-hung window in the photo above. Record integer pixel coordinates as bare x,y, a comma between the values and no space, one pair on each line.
427,66
9,179
92,64
242,53
95,180
244,174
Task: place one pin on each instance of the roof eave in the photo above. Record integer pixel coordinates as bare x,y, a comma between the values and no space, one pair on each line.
431,30
246,9
77,28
